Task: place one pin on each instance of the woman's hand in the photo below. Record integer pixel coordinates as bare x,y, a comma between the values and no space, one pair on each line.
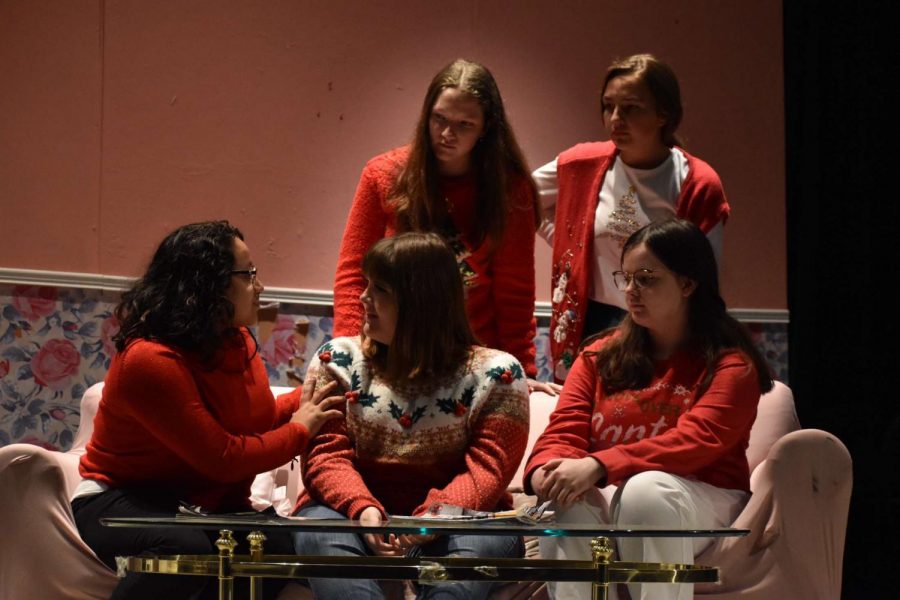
406,541
565,480
548,387
538,477
316,406
375,541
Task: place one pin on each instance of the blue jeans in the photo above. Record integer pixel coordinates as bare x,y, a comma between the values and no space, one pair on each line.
350,544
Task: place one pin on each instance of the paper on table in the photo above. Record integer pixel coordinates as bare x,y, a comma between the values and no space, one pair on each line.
451,512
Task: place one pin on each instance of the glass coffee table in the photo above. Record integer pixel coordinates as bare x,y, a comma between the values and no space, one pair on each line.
255,566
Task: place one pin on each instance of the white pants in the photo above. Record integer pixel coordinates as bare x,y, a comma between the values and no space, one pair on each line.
649,498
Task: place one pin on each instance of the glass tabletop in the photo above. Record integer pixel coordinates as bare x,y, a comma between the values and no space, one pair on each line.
416,525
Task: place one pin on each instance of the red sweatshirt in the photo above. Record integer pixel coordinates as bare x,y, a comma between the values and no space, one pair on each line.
499,286
201,433
663,427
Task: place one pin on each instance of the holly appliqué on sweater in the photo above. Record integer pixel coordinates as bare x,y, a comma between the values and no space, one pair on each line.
457,406
506,374
355,395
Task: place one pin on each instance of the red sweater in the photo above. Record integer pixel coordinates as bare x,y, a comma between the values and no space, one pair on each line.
201,433
499,286
580,173
663,427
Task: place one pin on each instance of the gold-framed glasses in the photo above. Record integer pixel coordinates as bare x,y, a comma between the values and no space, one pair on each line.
643,278
251,273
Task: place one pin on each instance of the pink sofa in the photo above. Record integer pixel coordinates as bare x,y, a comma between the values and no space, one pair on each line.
801,481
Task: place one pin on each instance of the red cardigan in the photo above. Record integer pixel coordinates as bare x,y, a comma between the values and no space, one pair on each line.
499,287
202,434
580,173
663,427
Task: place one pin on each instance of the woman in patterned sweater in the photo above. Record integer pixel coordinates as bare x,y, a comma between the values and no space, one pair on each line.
431,418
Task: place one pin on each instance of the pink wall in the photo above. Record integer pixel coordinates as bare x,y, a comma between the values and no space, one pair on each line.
50,135
120,120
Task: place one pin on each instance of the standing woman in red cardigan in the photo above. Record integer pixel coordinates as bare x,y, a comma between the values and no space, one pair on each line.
594,195
187,414
462,176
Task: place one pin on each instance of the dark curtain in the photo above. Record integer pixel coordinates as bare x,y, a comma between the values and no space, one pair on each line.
843,246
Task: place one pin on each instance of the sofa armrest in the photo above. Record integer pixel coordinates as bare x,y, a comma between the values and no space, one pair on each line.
809,473
90,403
797,517
37,523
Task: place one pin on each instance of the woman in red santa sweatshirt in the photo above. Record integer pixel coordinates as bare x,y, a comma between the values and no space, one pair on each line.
653,422
187,414
462,176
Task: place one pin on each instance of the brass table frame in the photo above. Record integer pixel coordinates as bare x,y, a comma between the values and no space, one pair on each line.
601,571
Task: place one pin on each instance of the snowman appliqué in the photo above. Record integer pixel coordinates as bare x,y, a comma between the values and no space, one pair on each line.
559,294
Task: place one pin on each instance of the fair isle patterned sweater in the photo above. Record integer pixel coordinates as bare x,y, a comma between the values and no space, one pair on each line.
403,450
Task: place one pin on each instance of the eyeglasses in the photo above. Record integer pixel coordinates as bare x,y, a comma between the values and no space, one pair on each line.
643,278
251,272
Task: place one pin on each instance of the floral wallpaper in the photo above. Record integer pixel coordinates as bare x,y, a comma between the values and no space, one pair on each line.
287,342
56,342
772,340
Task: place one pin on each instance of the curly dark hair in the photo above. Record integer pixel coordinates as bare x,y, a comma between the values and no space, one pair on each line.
181,299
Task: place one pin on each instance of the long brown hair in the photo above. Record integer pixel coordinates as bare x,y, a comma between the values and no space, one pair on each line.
625,361
660,79
433,338
497,160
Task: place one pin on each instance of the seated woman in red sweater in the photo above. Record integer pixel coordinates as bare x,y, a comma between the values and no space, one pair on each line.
187,414
462,176
431,418
653,422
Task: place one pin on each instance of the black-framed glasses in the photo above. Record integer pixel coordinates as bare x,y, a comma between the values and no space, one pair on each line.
251,272
643,278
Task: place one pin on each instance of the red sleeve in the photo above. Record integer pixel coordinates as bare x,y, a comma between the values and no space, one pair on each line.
498,441
286,405
180,420
718,421
329,473
702,199
513,281
568,433
366,224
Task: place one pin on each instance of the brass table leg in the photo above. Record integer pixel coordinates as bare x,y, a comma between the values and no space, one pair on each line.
226,544
256,539
601,552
